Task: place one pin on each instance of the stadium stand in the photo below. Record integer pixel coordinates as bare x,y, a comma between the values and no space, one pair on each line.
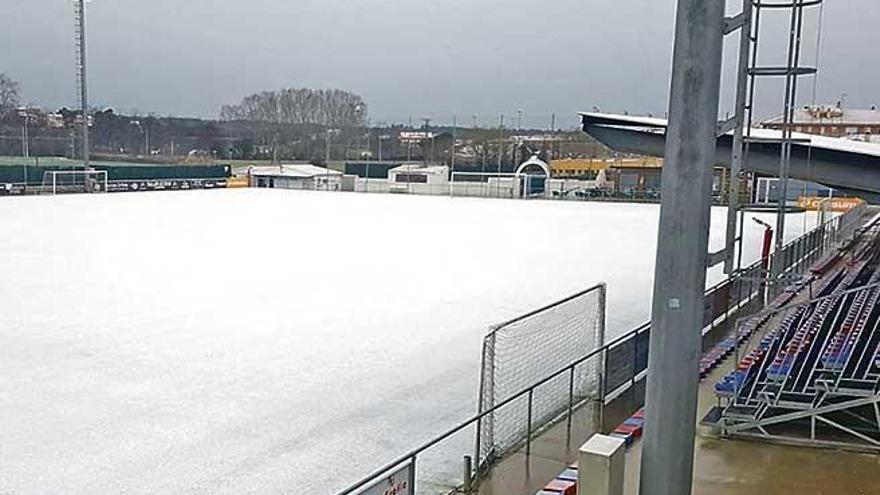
813,376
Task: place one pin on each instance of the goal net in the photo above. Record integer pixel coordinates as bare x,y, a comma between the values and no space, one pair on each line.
520,353
74,181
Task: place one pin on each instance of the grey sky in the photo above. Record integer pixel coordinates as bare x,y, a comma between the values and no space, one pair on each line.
416,58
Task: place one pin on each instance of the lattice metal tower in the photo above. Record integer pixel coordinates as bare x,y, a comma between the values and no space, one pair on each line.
79,13
749,71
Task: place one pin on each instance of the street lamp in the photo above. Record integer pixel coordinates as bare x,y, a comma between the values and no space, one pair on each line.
382,137
25,114
143,128
329,133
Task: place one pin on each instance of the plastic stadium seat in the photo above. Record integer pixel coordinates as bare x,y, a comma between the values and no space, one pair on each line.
627,438
560,486
640,422
568,475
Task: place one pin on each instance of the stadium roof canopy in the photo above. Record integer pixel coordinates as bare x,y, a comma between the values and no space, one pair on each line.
851,167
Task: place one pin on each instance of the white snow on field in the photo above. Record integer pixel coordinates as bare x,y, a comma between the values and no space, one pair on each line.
258,341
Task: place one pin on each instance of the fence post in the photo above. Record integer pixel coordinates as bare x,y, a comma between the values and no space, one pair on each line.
467,469
750,274
571,398
739,291
412,474
529,425
635,361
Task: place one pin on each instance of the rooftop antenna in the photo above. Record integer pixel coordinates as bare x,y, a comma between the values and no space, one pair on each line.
79,13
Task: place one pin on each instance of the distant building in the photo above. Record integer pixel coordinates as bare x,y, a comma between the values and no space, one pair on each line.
832,122
50,120
588,168
300,177
418,179
636,180
416,137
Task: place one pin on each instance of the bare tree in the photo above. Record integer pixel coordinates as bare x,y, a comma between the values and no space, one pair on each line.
331,108
8,95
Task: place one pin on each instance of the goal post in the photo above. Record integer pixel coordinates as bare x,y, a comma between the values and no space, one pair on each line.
74,181
528,350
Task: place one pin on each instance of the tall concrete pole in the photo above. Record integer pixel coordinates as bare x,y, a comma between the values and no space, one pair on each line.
682,250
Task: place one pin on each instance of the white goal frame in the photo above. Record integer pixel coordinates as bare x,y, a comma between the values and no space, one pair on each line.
93,181
528,350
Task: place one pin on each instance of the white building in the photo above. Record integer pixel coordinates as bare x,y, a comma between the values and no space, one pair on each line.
419,179
302,177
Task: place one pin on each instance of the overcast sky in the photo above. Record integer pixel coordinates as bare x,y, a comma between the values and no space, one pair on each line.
415,58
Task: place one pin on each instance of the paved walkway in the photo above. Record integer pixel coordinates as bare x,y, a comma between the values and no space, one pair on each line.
722,467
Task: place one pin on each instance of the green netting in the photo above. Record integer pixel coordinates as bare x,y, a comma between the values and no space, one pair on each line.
15,169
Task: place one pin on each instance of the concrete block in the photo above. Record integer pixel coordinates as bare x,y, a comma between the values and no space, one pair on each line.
601,463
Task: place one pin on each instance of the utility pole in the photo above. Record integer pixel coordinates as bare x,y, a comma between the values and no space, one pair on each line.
380,146
427,121
25,134
500,143
682,250
80,15
517,150
454,136
327,149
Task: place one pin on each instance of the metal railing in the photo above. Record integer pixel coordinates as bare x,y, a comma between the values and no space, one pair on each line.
618,375
624,359
528,393
799,254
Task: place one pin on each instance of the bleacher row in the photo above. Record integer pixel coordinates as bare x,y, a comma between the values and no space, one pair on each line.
831,346
735,380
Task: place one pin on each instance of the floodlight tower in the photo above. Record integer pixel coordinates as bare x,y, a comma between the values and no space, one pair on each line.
79,13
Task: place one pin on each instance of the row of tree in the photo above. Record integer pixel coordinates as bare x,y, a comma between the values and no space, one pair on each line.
9,95
290,124
329,108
